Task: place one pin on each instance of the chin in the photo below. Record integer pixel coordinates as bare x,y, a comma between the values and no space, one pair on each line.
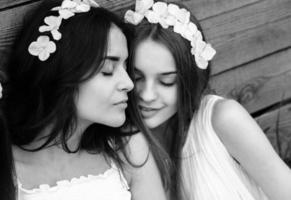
116,121
153,123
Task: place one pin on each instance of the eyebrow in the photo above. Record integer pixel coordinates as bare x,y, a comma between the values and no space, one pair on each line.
112,58
163,74
168,73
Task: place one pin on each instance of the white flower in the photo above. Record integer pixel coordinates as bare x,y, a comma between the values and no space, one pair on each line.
192,28
1,91
199,46
201,63
133,17
91,3
179,28
42,48
152,17
161,9
208,52
173,9
53,24
170,20
141,6
70,7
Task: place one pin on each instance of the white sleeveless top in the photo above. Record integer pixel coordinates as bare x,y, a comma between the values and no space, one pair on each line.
111,185
208,170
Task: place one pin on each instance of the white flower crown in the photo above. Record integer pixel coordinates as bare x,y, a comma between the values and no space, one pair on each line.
43,47
171,15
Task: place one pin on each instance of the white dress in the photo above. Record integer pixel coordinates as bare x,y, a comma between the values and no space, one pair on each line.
208,170
111,185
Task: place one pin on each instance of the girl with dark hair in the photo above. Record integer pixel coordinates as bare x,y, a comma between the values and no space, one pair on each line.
7,188
67,96
218,150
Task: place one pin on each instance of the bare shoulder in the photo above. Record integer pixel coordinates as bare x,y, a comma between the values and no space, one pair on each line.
236,128
225,110
228,115
137,149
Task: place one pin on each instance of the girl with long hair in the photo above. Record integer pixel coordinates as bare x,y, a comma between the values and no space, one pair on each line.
68,93
218,150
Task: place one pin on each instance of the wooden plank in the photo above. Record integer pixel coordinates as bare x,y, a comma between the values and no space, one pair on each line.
248,33
10,22
258,84
282,132
11,3
207,8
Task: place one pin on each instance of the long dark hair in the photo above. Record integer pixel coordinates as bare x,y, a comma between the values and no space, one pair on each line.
41,94
7,187
192,84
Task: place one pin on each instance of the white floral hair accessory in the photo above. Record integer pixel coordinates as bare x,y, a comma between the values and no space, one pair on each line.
43,46
171,15
1,89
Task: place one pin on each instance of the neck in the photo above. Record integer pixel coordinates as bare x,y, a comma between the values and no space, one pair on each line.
164,133
72,142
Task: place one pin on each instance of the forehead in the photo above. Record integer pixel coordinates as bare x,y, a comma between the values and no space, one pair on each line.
154,58
117,43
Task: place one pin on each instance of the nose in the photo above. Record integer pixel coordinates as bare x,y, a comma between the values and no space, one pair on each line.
147,91
125,83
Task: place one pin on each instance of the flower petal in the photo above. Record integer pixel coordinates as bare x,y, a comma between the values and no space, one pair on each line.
152,17
163,23
173,9
44,55
51,47
44,28
208,52
56,34
133,17
170,20
192,28
92,3
68,4
141,6
51,20
56,8
199,46
82,8
34,49
201,63
43,39
160,8
66,14
1,91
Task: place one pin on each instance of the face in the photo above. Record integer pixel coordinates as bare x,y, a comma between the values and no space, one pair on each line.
156,82
103,98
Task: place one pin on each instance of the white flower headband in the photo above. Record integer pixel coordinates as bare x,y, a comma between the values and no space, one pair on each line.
171,15
43,47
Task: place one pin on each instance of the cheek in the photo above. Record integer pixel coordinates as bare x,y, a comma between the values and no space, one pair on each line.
138,87
170,96
91,97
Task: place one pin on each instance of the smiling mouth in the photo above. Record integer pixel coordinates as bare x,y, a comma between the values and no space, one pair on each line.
148,112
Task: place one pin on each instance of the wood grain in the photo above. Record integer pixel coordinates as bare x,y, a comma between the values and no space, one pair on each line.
280,133
209,8
4,4
258,84
248,33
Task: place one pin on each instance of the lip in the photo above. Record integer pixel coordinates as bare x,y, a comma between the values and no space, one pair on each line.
148,112
122,103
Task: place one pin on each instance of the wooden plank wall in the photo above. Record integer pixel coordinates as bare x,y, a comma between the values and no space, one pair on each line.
253,63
